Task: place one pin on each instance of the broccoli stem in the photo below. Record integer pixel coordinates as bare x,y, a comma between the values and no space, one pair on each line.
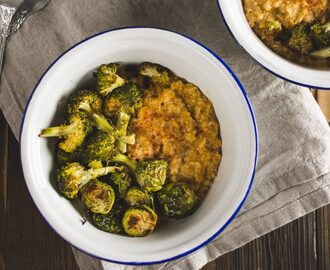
100,121
130,163
57,131
103,124
95,173
121,127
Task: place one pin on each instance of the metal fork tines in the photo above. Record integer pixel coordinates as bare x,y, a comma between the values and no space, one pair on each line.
11,19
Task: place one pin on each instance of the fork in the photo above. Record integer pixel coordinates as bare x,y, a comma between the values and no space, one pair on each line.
13,18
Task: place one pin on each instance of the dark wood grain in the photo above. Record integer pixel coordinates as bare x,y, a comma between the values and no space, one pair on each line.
30,243
3,187
302,244
323,237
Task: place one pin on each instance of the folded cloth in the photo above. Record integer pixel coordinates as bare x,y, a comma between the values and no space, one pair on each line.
293,174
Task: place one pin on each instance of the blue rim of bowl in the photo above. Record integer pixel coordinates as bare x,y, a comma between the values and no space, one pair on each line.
255,135
255,60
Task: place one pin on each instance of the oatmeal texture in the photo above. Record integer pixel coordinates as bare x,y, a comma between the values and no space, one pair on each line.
178,124
287,12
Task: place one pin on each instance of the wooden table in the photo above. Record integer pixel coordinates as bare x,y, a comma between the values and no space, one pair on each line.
27,242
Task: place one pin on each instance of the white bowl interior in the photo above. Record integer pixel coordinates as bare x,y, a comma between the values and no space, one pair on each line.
233,13
188,60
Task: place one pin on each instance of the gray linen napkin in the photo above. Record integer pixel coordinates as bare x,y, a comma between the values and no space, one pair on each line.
293,174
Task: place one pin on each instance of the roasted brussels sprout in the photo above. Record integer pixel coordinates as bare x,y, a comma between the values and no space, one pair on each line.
139,221
150,175
98,197
110,222
177,200
136,197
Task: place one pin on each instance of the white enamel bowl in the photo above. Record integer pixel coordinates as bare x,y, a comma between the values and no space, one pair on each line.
233,15
186,58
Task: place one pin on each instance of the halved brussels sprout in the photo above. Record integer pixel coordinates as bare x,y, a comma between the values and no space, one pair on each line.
98,197
136,196
177,200
151,175
110,222
139,221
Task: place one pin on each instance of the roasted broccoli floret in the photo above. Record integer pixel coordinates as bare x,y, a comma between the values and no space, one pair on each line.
80,98
110,222
158,74
139,221
150,175
323,53
177,200
120,182
125,99
98,147
136,197
73,176
95,164
107,78
104,125
98,197
300,39
321,34
89,103
272,28
73,132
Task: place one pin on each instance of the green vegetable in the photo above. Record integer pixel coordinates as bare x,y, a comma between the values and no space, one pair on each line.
150,175
98,197
139,221
81,97
158,74
73,132
300,39
120,181
63,157
104,125
110,222
125,99
98,147
273,28
177,200
321,34
107,78
137,197
73,176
